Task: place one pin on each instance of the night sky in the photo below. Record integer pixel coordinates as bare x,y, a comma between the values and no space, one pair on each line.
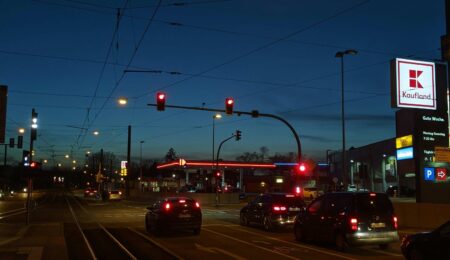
66,59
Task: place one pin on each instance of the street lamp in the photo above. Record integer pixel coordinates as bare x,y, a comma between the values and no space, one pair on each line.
122,101
341,54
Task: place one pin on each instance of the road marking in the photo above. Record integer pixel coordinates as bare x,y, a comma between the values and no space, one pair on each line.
250,244
170,252
19,235
383,252
297,245
215,250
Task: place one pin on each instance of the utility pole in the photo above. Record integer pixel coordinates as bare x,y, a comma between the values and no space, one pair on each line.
33,135
127,189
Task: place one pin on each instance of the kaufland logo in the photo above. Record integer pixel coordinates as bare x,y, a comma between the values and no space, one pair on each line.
416,87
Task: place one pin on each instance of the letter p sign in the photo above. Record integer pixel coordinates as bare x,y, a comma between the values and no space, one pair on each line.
429,174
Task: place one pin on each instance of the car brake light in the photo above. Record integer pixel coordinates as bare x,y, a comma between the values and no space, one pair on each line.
167,205
395,222
197,204
354,224
182,201
279,208
372,194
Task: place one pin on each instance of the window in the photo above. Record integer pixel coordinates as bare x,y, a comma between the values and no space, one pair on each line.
315,207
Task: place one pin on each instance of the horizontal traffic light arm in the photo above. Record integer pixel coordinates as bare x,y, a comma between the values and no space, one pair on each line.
253,113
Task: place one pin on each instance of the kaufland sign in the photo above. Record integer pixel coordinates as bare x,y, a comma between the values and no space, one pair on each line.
413,84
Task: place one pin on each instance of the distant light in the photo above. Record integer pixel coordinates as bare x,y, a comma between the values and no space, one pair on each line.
73,168
96,133
263,184
217,116
21,130
34,126
122,101
45,161
67,156
59,165
279,180
74,161
88,152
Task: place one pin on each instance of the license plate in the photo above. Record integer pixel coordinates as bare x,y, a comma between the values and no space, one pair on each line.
184,215
294,209
378,225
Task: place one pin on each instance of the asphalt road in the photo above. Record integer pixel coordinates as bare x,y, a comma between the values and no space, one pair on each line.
92,229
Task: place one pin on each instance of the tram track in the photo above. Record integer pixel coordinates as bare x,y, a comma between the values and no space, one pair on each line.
102,242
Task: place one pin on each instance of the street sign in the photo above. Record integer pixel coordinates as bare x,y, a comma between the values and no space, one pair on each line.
442,154
429,174
441,174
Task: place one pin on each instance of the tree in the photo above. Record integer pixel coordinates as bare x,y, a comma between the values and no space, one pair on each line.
171,155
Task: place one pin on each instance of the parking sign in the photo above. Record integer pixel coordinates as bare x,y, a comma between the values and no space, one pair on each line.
429,174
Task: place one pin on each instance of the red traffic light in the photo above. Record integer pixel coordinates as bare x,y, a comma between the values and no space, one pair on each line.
302,167
229,102
160,101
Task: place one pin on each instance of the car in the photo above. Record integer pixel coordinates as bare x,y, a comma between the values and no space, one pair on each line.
174,213
115,195
311,193
428,245
348,219
90,193
272,210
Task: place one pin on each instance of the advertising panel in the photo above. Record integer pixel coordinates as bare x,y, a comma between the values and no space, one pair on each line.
413,84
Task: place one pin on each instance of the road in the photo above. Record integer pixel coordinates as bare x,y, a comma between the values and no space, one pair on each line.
67,226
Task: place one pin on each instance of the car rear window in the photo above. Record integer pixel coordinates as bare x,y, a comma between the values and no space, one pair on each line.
288,200
373,203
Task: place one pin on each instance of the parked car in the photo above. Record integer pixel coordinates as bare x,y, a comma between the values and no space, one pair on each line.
174,213
311,193
272,210
348,219
90,193
428,245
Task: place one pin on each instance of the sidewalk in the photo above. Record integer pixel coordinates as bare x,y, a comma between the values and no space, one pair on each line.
32,242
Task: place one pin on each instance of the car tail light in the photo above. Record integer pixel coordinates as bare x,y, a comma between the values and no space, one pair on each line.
395,222
372,194
95,191
182,201
297,190
167,206
353,224
197,205
86,191
279,208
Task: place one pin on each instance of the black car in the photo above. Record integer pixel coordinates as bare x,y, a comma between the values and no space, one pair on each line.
271,210
428,245
174,213
348,219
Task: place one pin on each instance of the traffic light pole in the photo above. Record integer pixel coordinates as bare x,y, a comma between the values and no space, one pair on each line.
253,113
217,167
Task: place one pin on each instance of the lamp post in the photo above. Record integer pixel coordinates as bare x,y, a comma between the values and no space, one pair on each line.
341,54
215,116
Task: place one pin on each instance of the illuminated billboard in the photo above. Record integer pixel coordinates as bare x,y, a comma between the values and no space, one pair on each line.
405,153
413,84
404,141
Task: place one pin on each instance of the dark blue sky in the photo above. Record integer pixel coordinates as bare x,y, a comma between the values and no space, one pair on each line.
273,56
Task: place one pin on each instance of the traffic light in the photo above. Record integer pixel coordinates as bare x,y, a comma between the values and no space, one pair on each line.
34,125
160,101
302,168
26,158
20,141
229,102
238,135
